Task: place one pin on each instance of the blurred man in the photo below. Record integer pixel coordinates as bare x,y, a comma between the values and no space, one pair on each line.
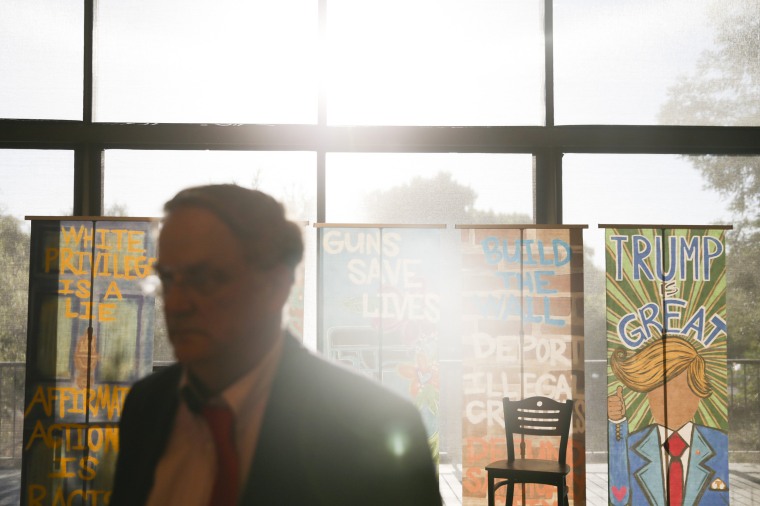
248,416
673,461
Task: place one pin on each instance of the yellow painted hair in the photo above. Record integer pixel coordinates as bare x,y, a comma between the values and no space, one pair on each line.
644,371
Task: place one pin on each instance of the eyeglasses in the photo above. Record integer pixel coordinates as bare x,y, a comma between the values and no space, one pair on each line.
202,279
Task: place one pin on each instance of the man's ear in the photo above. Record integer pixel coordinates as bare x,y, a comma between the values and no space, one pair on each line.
281,280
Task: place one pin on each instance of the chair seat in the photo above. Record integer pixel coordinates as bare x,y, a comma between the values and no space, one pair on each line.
530,467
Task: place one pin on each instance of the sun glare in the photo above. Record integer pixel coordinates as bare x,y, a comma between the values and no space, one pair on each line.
432,62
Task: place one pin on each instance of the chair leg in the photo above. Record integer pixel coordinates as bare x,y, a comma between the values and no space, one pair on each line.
562,498
510,493
490,490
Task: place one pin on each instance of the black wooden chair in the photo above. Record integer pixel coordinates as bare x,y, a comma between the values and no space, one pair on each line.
534,416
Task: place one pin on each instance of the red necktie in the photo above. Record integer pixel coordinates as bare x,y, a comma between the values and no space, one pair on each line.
221,422
675,446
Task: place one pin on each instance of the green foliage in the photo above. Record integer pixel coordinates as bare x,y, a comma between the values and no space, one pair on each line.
735,177
743,281
438,199
14,283
723,89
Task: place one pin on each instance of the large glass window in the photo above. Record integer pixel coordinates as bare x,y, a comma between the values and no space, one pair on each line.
366,101
398,63
429,188
41,59
667,190
19,171
624,189
448,189
229,61
425,62
138,183
50,172
636,57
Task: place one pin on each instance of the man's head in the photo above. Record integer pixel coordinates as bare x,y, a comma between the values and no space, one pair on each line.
254,218
226,261
669,367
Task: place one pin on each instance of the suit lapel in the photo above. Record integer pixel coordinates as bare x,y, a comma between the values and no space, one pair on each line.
164,408
699,473
649,475
150,431
274,460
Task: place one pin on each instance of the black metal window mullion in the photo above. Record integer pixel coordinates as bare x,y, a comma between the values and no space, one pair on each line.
549,62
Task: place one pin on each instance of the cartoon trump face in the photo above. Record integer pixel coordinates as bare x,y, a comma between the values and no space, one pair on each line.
669,368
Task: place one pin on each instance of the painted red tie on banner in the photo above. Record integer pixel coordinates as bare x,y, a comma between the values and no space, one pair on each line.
675,446
226,482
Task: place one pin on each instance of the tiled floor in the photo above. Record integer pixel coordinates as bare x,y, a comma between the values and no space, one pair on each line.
451,488
10,482
744,480
744,483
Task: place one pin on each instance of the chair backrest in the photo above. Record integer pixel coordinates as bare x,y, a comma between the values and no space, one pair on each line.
538,416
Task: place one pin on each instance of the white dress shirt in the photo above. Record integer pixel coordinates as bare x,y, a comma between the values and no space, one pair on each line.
185,473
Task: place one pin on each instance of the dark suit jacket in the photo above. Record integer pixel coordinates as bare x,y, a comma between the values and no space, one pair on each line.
329,437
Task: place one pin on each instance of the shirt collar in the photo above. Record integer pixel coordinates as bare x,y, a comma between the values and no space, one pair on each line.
684,432
252,384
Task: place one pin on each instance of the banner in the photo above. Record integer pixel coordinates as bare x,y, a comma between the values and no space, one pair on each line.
90,335
522,328
666,367
381,309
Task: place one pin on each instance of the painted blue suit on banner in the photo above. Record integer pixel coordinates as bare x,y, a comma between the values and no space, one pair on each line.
636,474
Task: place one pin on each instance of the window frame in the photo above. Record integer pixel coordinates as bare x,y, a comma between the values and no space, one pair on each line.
89,140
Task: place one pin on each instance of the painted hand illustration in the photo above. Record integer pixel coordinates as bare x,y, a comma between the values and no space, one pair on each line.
616,405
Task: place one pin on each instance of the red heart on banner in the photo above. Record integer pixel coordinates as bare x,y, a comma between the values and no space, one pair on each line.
619,493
